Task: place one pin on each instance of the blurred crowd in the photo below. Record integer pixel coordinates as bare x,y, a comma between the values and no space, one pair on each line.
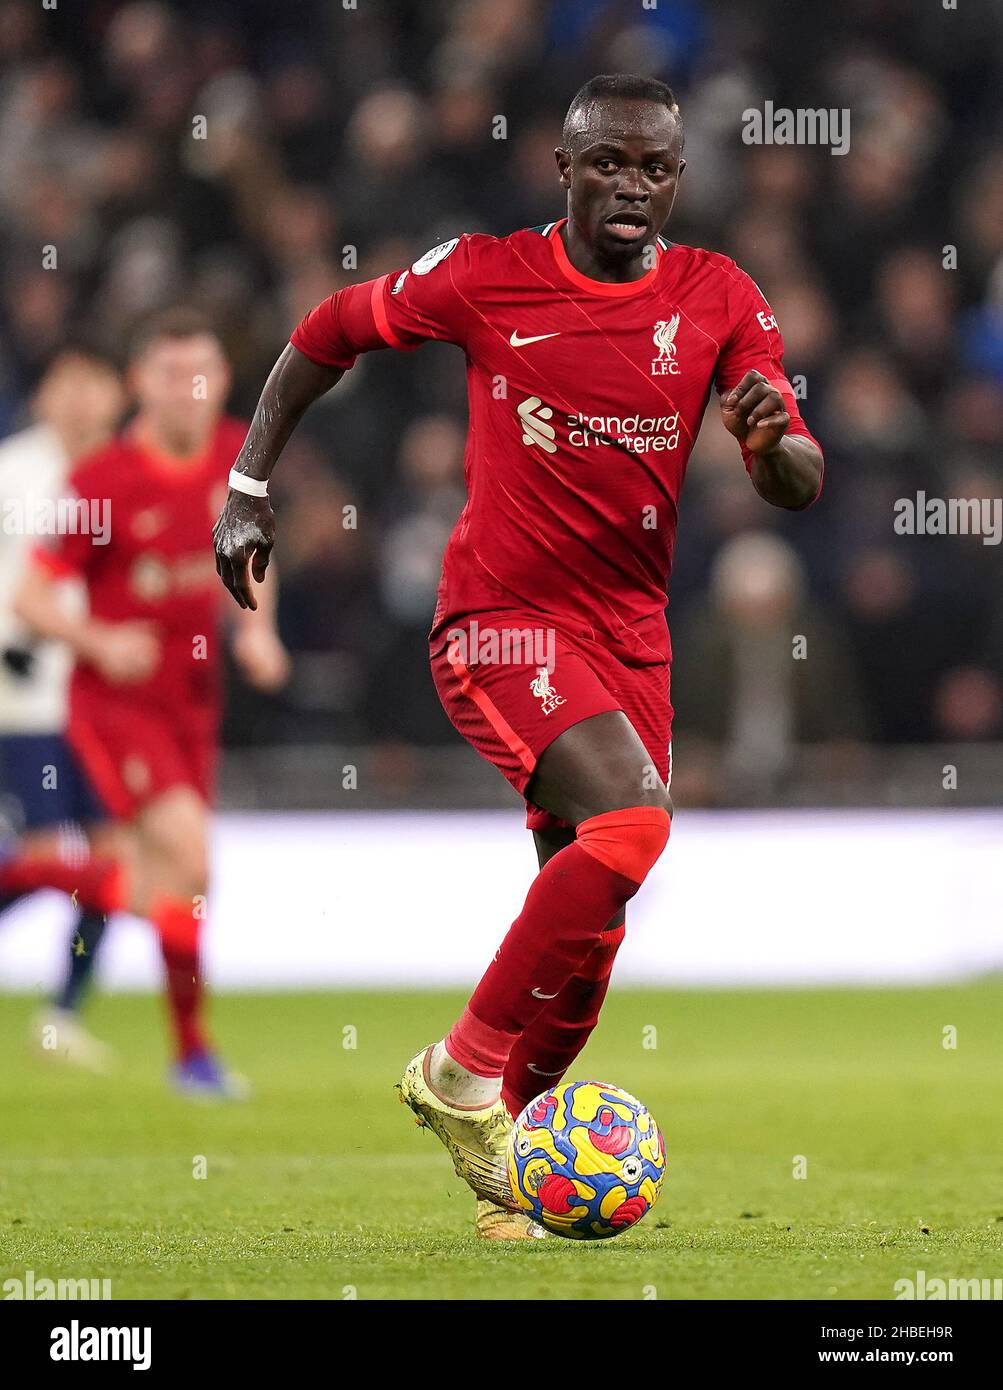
342,141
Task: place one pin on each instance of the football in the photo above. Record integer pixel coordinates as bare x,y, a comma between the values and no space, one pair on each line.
586,1160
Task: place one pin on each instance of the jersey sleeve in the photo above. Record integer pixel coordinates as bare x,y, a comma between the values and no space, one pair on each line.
429,300
755,344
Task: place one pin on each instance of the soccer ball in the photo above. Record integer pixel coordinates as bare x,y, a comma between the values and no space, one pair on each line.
586,1160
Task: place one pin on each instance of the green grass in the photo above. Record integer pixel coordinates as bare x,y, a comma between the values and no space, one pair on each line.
320,1187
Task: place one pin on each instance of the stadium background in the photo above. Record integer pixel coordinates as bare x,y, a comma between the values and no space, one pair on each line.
343,142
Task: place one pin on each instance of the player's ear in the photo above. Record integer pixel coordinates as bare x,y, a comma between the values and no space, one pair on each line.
563,166
682,166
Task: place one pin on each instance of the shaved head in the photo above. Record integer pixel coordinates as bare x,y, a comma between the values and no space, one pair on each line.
592,104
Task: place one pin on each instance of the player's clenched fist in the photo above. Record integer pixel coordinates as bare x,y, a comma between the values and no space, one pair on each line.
754,412
242,539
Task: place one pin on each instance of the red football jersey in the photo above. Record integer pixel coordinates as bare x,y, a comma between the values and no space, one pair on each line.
157,564
585,401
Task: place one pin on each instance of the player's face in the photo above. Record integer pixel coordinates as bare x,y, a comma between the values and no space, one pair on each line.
181,385
83,399
623,176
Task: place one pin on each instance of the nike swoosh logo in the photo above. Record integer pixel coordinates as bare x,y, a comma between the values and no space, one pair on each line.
538,995
516,341
540,1072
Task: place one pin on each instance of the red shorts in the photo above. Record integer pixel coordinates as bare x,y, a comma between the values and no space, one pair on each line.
133,753
499,694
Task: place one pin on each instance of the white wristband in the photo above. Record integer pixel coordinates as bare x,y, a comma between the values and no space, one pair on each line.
240,482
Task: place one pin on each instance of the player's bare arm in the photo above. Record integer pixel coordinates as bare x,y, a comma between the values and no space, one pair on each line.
787,469
124,653
245,532
255,641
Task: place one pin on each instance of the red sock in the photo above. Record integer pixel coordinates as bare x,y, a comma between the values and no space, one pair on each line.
97,883
552,1042
576,893
179,932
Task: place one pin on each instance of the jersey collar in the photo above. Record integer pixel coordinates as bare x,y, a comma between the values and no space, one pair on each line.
603,287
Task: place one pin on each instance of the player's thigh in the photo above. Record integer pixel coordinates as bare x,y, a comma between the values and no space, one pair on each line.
172,832
509,708
598,765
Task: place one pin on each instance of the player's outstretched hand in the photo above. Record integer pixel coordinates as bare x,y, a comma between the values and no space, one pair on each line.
242,539
754,412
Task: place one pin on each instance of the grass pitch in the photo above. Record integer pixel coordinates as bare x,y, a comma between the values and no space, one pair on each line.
321,1187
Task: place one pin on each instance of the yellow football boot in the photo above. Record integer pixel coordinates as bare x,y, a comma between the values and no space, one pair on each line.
475,1137
497,1223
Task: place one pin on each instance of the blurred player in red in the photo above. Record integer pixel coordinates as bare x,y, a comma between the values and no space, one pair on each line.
145,694
593,346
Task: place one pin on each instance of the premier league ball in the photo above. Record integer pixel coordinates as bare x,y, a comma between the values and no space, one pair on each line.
586,1160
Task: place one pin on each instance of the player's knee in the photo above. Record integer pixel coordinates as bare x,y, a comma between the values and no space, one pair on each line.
629,842
178,865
